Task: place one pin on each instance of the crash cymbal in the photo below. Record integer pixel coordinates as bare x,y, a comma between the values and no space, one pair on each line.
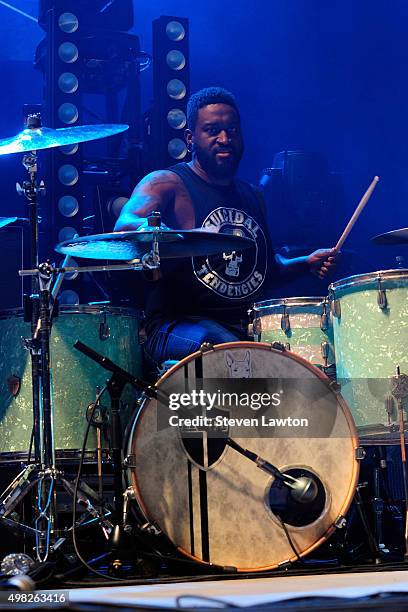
127,246
35,139
7,220
398,236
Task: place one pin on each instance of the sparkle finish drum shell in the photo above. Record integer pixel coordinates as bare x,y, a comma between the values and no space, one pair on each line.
111,331
370,323
302,324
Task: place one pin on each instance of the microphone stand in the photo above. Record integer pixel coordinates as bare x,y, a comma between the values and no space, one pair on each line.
115,386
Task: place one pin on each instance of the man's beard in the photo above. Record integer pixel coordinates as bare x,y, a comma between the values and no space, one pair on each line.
226,168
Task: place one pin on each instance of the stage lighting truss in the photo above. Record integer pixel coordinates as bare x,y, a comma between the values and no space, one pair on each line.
59,57
171,88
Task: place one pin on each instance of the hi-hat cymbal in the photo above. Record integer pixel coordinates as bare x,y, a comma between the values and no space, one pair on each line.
398,236
35,139
127,246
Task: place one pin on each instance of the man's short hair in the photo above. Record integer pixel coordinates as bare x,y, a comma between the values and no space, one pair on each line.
204,97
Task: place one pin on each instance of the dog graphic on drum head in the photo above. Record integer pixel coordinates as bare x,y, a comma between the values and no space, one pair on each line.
239,368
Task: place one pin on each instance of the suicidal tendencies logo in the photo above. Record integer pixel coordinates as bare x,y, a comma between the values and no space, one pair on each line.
233,275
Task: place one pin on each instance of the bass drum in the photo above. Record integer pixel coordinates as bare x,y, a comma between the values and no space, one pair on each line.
215,505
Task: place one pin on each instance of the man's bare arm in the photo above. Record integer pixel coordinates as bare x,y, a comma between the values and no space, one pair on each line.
154,193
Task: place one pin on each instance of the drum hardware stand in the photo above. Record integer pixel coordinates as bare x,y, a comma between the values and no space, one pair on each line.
43,474
378,505
400,392
96,413
372,544
31,190
115,386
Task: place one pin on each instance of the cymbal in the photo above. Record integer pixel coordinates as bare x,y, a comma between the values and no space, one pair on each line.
35,139
127,246
7,220
398,236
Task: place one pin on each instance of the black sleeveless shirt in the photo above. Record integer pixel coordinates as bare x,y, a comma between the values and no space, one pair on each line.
221,287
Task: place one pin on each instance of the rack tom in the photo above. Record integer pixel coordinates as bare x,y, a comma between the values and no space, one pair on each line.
302,324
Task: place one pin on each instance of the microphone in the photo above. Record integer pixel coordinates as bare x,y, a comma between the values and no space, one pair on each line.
303,489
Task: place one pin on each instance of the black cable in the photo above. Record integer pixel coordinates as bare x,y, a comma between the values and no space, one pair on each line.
291,544
76,488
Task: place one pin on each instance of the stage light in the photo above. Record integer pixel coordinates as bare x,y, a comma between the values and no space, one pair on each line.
176,119
66,233
68,83
68,175
68,113
175,31
68,52
69,149
84,39
175,60
170,59
177,148
68,206
176,89
68,22
69,298
115,205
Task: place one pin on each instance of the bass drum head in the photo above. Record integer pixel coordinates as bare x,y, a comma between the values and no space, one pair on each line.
226,510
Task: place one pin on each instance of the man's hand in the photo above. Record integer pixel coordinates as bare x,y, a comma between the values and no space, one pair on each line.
322,261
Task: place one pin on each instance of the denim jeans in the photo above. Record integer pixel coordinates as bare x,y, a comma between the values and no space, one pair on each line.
177,339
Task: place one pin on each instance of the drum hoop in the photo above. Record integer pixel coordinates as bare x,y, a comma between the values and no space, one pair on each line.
62,455
290,301
78,309
360,280
286,354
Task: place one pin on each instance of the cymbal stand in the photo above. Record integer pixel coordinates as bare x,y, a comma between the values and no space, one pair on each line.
31,190
44,475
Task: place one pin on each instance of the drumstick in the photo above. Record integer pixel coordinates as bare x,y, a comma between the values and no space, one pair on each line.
356,214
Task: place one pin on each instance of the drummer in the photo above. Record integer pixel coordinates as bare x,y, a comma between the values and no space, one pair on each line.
206,299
